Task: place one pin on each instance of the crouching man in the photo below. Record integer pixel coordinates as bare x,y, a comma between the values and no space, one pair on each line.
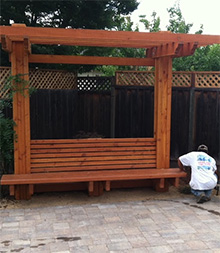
203,172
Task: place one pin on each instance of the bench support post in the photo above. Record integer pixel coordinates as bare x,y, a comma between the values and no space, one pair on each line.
21,114
162,110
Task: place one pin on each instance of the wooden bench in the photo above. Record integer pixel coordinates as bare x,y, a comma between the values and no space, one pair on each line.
95,161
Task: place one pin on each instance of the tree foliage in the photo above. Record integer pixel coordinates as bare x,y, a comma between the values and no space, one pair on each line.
177,23
105,14
68,13
153,25
204,59
62,14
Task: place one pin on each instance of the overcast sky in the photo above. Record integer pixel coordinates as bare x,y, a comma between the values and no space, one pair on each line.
206,12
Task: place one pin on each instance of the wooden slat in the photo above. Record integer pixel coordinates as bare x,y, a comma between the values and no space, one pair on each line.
94,167
85,150
93,158
89,154
92,154
40,178
90,163
93,144
106,140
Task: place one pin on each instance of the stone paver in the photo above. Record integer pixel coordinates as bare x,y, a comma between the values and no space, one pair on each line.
164,225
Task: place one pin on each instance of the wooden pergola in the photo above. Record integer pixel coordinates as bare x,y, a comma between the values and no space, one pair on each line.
161,48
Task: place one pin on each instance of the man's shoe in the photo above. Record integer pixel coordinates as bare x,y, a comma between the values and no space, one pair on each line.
201,198
207,198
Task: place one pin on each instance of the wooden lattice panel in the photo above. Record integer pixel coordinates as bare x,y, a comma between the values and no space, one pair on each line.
93,83
208,80
135,78
181,79
42,79
53,79
4,75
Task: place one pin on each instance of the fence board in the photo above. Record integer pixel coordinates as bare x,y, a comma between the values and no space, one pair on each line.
134,112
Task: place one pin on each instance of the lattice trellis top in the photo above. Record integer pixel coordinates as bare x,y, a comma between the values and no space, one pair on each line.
93,83
208,80
57,79
179,79
42,79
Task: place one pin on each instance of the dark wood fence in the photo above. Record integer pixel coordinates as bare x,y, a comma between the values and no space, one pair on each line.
127,111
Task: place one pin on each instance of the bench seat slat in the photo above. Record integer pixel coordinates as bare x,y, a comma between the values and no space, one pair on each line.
68,177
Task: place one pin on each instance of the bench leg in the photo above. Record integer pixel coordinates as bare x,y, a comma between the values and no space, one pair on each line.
161,185
107,186
22,192
175,181
12,190
31,189
95,188
91,188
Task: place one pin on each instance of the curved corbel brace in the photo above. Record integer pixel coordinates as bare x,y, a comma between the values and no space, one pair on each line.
168,49
189,48
172,49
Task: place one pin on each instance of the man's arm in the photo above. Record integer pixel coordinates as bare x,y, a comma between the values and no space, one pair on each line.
180,165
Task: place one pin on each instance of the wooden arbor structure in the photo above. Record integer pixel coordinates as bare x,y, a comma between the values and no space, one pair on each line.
160,47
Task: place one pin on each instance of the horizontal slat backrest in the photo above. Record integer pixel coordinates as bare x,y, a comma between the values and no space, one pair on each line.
92,154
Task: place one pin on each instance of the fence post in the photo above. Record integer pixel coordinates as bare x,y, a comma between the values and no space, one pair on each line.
113,82
191,137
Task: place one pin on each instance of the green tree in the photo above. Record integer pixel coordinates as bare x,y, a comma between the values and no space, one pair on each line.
153,25
123,24
70,13
214,57
177,22
204,59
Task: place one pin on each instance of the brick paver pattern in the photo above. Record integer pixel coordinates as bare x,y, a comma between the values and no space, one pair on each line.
138,226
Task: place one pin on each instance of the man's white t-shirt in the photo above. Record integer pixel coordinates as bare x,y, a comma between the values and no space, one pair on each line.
203,169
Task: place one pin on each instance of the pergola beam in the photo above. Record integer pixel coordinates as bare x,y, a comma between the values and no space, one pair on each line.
90,60
103,38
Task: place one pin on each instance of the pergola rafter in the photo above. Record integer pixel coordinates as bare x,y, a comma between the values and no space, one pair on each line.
161,48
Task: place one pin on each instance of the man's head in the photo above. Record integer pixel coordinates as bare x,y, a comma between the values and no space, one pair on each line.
203,148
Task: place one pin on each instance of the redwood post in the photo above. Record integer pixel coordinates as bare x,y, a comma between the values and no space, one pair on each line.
162,110
21,116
